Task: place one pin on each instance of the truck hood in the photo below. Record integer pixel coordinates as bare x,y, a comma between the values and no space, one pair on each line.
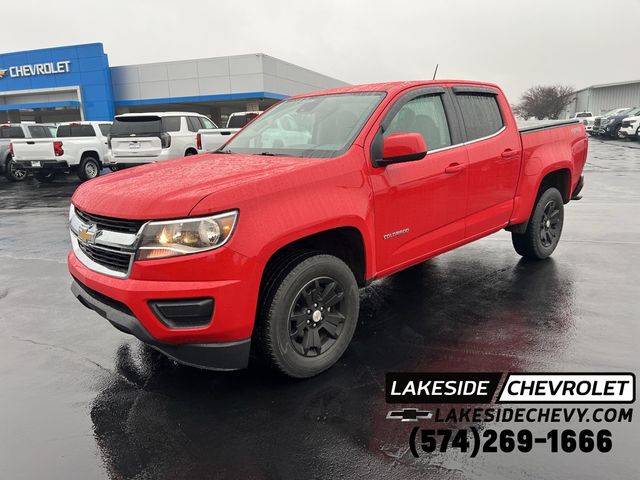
172,188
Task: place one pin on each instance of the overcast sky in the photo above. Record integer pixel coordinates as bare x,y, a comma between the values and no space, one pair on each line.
515,43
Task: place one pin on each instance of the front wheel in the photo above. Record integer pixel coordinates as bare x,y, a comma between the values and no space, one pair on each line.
13,172
45,176
544,228
308,315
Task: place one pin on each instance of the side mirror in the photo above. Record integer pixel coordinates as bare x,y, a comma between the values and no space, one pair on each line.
402,147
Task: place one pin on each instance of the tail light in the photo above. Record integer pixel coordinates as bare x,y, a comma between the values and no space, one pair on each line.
57,149
199,141
165,139
11,149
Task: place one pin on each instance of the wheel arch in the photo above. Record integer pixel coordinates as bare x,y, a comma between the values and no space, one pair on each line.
91,153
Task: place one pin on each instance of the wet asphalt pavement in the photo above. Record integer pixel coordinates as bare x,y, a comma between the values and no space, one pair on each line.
79,399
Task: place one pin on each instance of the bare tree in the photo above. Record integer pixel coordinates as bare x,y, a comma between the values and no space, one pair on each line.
544,101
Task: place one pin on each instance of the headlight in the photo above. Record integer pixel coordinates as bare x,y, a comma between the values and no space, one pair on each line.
604,121
190,235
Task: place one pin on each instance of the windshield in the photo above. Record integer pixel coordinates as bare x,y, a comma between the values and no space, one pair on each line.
633,112
322,126
239,121
583,114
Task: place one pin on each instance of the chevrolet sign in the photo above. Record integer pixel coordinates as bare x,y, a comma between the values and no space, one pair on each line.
49,68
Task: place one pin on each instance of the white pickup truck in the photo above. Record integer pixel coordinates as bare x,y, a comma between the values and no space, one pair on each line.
78,146
210,139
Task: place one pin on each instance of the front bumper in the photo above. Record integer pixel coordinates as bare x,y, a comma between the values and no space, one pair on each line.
213,356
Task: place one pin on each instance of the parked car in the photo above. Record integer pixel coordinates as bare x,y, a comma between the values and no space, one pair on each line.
79,146
586,118
210,139
264,248
13,131
594,129
630,127
138,138
610,125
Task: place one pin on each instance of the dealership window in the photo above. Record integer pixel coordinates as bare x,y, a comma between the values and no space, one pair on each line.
424,115
75,131
11,132
171,124
480,114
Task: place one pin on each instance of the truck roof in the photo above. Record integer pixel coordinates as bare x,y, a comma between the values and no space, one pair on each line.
395,87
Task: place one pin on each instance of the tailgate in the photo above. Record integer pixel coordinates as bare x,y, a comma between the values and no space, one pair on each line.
214,139
33,149
134,146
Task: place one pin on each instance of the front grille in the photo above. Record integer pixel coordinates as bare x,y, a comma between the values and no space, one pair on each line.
113,224
109,258
596,122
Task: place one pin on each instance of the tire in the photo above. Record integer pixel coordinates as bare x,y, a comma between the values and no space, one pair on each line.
12,173
544,228
89,168
45,176
188,153
308,314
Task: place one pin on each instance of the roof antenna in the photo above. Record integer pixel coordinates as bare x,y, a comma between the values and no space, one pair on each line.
435,72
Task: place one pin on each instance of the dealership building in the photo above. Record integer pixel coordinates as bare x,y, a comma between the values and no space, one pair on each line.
599,99
77,83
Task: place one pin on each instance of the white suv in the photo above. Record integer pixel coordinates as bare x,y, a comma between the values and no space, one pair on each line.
138,138
630,127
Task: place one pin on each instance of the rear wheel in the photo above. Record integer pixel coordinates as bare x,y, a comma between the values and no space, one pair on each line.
544,228
45,176
13,172
89,168
308,315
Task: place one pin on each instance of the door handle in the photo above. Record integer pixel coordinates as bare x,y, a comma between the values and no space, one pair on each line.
508,153
454,168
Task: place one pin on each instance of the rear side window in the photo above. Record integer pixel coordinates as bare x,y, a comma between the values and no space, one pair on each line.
11,132
194,124
105,128
171,124
425,115
36,131
76,131
480,114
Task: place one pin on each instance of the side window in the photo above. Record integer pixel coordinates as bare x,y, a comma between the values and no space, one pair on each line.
193,124
171,124
480,114
425,115
105,128
207,123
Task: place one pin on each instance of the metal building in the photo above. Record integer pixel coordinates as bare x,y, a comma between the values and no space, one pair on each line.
599,99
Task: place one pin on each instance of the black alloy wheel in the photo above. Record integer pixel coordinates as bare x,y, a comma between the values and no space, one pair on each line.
315,318
550,224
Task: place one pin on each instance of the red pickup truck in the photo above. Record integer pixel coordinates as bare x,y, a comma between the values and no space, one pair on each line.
262,246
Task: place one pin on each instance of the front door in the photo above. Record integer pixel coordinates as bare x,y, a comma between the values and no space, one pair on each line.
420,205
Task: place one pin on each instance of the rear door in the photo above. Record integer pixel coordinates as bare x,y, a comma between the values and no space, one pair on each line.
137,136
494,148
420,205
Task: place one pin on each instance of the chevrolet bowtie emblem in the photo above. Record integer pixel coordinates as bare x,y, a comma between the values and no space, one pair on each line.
409,414
88,234
2,73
